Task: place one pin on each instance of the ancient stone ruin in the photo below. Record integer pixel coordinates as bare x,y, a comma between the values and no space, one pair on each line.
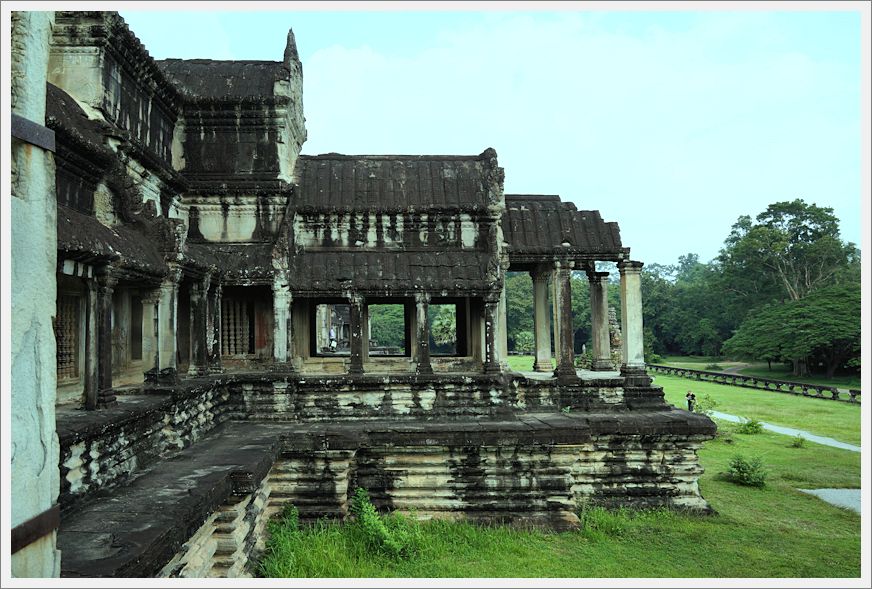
200,261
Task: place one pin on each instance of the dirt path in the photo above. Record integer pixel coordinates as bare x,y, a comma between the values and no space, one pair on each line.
735,369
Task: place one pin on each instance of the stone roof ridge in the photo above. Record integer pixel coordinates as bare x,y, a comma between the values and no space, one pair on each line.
485,155
210,61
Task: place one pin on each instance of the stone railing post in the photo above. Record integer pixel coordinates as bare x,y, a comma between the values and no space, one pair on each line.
167,325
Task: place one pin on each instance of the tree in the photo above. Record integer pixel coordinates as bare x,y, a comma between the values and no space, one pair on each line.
793,248
443,325
824,326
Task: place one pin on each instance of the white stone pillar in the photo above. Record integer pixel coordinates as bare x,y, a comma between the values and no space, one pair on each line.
150,345
167,325
422,337
542,322
632,352
503,330
281,323
599,320
34,474
563,319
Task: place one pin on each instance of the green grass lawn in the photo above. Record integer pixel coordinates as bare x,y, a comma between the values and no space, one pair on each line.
818,416
775,531
778,372
781,372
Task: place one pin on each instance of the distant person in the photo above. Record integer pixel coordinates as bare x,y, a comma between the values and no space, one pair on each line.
332,339
691,400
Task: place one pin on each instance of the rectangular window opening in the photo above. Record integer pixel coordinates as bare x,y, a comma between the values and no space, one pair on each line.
444,329
67,337
332,329
388,330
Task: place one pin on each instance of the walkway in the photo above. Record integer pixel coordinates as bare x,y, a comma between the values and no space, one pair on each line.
789,431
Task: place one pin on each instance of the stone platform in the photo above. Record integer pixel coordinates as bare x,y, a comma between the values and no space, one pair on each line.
202,512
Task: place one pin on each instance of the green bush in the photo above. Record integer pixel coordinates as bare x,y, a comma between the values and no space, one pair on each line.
654,358
394,535
797,442
747,472
705,404
751,426
525,342
714,366
584,361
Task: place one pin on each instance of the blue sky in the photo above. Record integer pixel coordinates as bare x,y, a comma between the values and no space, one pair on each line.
671,123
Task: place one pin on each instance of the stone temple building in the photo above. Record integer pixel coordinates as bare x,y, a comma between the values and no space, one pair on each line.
172,255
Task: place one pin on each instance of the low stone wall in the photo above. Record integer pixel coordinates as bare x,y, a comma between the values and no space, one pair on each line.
102,449
531,471
225,544
756,382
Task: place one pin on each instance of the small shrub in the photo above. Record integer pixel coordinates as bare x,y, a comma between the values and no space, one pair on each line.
705,404
714,366
584,361
566,410
797,442
654,358
393,535
750,427
747,472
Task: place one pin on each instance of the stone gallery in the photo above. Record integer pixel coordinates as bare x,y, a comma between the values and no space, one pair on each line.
191,338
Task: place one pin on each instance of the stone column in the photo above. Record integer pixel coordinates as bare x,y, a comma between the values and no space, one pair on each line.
32,384
502,329
92,359
358,332
632,352
563,298
411,330
198,365
422,337
150,303
541,321
215,332
491,345
105,287
282,340
599,320
167,322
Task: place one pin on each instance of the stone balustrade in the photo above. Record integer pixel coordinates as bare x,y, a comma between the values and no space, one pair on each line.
757,382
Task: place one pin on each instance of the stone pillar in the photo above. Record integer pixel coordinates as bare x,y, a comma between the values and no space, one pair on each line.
92,360
34,474
503,329
491,345
632,352
282,339
411,329
563,319
541,322
599,320
215,331
358,332
422,337
198,364
150,303
167,322
105,287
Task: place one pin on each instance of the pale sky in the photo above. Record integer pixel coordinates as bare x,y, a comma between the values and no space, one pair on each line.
672,124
